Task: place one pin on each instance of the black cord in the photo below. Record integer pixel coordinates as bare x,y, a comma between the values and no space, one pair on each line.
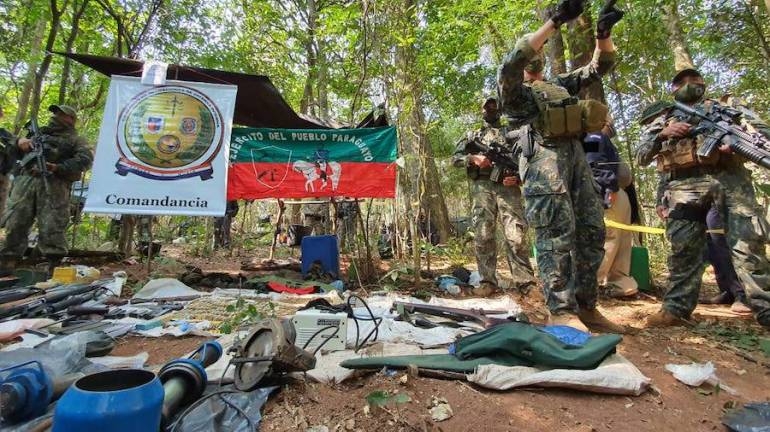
376,320
337,330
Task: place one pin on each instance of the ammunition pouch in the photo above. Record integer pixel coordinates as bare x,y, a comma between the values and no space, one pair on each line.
678,154
563,115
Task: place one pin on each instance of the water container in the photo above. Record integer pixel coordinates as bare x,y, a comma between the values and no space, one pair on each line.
321,248
126,400
640,267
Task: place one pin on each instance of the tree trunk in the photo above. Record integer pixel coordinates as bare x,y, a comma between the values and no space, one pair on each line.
322,83
42,71
580,35
412,123
309,103
676,37
29,81
554,49
751,16
65,74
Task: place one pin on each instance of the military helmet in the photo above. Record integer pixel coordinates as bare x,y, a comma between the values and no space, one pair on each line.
685,73
64,109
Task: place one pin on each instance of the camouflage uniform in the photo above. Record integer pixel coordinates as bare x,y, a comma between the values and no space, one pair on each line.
29,199
316,216
747,228
688,194
491,199
562,203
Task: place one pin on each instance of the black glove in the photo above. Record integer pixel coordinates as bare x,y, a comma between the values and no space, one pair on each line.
567,10
608,17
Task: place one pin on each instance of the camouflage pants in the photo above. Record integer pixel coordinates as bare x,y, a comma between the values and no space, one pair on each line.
30,201
491,200
688,201
566,213
747,234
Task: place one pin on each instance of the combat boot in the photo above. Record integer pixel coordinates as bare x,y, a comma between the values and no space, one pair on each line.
568,319
599,323
8,266
664,318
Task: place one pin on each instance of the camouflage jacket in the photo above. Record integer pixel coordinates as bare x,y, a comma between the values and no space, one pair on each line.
65,148
519,101
487,134
650,145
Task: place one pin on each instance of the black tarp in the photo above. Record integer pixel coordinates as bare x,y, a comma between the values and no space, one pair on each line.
258,103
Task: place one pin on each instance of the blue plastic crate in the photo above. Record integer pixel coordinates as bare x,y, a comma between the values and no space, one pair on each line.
321,248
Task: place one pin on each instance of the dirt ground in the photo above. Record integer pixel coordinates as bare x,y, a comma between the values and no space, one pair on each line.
669,406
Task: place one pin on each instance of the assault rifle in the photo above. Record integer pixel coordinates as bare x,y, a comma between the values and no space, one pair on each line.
504,162
722,124
36,156
480,316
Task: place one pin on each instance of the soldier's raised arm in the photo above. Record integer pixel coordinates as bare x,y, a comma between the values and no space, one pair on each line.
604,54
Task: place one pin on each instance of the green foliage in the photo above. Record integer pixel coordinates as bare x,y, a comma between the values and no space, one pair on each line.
243,314
746,338
343,58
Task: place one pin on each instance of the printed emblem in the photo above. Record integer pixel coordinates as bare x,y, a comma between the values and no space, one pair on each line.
168,133
189,125
155,124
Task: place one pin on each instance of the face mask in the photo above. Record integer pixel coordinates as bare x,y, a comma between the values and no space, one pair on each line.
690,93
491,117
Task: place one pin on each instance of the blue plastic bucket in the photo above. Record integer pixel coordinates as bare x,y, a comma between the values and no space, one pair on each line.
127,400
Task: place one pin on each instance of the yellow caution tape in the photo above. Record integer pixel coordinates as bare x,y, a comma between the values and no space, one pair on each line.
634,228
647,230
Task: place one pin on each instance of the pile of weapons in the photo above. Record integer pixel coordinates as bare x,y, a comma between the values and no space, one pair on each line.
72,302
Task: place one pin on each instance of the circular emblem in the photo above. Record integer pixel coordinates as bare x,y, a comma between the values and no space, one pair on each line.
169,130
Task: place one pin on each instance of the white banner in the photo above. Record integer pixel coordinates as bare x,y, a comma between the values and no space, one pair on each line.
163,150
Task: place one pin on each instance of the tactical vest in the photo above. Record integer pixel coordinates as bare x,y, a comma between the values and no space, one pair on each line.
681,153
563,115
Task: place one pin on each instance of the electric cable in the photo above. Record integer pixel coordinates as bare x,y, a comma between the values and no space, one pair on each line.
318,348
376,320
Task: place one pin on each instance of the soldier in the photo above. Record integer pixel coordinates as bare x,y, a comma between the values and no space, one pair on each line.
45,196
690,189
747,228
494,195
562,205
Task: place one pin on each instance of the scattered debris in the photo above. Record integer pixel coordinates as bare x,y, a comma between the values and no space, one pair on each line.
695,374
440,409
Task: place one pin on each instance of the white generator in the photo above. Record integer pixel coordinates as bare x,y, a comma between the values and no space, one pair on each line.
308,322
